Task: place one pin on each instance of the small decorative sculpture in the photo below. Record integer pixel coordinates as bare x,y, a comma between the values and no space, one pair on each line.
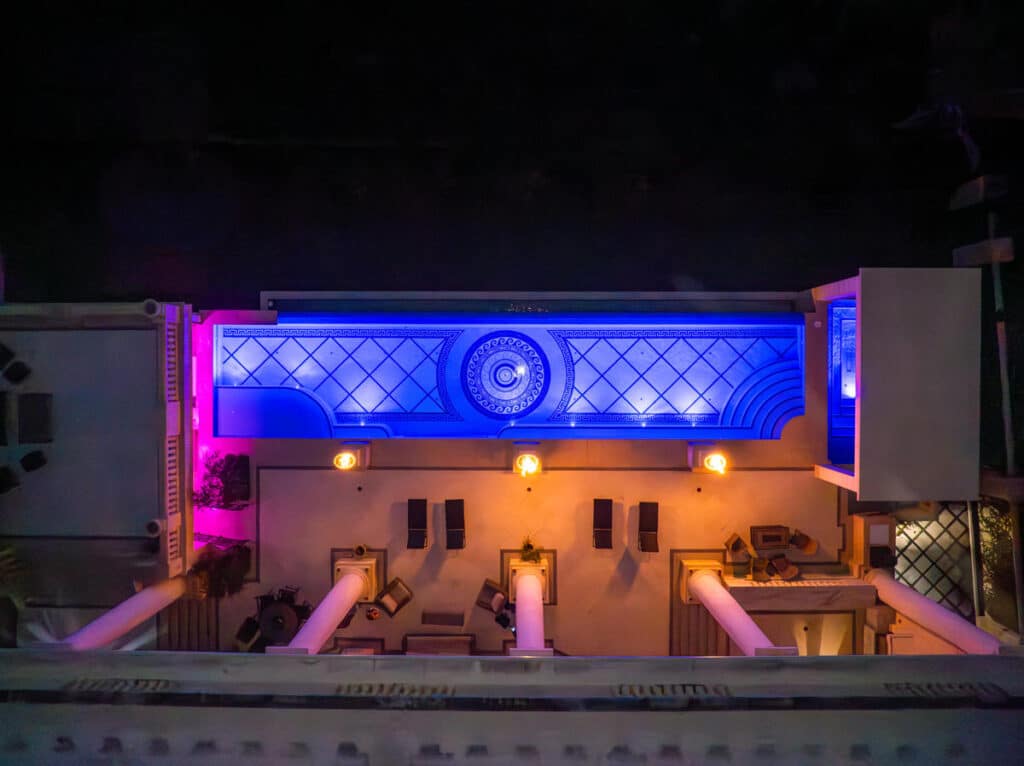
529,551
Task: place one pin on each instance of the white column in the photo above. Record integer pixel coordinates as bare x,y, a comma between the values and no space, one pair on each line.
529,614
321,625
111,625
929,615
706,587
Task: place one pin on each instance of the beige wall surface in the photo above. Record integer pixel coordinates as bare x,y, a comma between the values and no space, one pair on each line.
918,384
813,634
803,442
102,475
609,601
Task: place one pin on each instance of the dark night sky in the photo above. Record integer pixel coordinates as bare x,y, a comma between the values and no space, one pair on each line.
743,144
733,145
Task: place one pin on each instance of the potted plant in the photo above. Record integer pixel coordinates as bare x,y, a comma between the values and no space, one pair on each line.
220,500
529,551
225,483
219,573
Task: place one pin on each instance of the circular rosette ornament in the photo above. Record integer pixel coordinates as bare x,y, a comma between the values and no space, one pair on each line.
505,375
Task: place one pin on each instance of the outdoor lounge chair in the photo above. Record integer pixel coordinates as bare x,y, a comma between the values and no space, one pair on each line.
602,523
417,511
492,597
649,527
455,524
394,596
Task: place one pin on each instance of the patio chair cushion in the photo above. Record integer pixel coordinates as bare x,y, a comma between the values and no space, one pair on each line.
602,523
8,479
648,527
455,539
649,542
35,418
416,539
417,523
395,596
455,524
492,597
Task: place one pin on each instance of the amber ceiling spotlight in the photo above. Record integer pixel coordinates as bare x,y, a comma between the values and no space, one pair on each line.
707,457
353,456
526,458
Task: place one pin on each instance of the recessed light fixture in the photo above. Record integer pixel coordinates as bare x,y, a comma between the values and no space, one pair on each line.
716,462
346,461
526,459
706,457
527,464
353,456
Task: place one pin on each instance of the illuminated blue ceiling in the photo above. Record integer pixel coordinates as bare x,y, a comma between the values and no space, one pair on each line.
842,380
556,376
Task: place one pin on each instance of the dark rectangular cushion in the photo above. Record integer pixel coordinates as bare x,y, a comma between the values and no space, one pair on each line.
35,418
417,510
451,619
774,537
455,523
602,538
236,480
455,514
8,479
455,539
417,539
880,556
602,523
649,542
648,517
417,522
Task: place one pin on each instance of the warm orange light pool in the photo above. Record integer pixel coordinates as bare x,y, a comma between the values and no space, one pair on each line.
527,464
345,461
716,462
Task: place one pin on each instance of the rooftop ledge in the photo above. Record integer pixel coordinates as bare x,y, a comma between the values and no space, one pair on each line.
834,474
812,593
500,302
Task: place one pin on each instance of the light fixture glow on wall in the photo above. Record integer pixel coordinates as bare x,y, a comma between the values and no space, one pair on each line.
346,461
706,457
353,456
526,460
716,462
527,464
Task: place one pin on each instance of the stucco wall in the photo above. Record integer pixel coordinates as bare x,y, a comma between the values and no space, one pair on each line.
609,602
103,465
